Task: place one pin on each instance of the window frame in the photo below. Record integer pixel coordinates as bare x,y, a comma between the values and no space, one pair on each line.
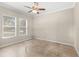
22,26
3,26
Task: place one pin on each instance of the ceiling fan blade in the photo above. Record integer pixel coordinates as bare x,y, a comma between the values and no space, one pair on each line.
29,11
41,9
28,7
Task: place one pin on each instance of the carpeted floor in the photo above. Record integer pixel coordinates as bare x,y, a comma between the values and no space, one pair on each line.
41,48
38,48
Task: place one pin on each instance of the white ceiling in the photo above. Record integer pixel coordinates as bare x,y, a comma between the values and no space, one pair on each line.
49,6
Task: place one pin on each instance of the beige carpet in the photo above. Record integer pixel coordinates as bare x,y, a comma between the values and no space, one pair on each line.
41,48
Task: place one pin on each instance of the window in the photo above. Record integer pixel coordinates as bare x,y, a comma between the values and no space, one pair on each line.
22,26
8,27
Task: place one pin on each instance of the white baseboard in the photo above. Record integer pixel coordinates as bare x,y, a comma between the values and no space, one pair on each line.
56,42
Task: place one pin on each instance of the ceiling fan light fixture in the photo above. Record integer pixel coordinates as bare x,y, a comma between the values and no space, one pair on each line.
35,8
34,11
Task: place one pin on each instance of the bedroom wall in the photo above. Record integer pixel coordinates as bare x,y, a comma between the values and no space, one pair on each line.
55,27
76,26
5,11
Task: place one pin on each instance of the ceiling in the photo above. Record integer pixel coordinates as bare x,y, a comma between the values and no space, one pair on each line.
49,6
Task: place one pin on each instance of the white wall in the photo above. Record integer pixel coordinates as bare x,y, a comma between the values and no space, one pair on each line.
76,26
55,26
5,11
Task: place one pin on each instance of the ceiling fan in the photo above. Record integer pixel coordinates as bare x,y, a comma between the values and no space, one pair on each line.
35,8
